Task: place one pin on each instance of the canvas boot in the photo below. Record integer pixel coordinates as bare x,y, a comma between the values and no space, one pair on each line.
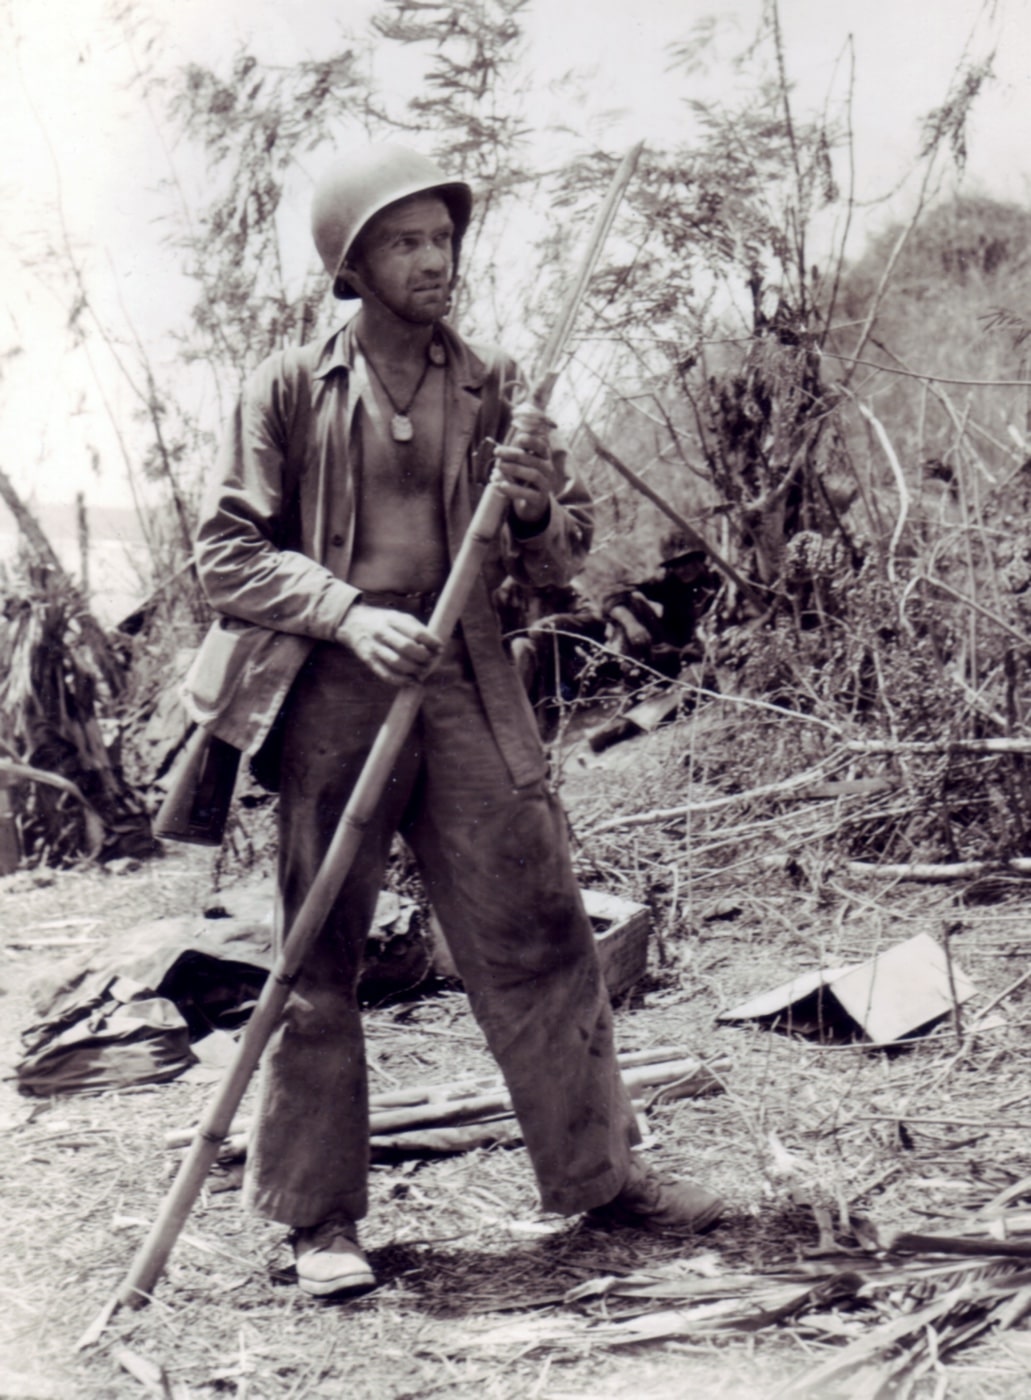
649,1201
329,1260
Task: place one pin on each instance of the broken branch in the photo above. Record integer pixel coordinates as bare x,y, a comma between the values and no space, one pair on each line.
890,746
660,814
691,534
941,873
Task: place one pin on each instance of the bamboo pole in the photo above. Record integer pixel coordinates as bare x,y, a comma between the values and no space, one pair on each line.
153,1254
436,1109
931,874
1011,744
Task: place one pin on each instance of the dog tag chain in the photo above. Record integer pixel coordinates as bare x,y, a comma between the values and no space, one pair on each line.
401,429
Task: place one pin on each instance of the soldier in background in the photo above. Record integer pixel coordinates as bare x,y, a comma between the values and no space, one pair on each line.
543,628
656,620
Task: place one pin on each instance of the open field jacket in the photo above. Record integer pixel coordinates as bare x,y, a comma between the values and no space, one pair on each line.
277,532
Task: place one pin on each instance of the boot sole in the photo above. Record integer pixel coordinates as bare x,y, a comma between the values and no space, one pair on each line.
337,1287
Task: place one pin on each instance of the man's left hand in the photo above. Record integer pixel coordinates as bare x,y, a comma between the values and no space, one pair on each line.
524,471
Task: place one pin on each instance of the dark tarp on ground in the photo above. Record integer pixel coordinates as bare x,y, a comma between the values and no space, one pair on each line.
128,1014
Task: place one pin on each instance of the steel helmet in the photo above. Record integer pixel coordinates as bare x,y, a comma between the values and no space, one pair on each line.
355,189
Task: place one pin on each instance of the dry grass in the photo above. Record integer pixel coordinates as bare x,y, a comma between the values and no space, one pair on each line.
473,1277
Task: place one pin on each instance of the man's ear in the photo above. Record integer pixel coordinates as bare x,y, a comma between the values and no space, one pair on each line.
349,276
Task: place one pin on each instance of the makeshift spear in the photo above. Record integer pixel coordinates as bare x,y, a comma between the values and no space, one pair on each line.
147,1267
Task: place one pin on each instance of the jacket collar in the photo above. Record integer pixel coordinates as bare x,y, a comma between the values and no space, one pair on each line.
467,373
338,352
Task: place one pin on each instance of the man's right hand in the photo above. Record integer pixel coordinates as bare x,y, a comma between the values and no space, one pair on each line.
396,647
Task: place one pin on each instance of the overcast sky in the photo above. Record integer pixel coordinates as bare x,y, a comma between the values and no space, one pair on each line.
75,132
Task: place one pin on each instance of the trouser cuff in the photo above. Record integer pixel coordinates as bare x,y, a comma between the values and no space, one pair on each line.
300,1209
574,1200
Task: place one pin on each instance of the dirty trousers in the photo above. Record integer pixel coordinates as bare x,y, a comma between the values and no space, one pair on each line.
495,865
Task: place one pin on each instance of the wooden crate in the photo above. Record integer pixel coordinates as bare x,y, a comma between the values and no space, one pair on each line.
621,929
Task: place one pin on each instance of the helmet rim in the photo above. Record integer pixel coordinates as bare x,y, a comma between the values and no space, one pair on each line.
354,190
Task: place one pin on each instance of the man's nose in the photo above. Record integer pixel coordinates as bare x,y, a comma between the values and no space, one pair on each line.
435,257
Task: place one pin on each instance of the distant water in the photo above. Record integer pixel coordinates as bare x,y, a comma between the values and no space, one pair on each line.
120,572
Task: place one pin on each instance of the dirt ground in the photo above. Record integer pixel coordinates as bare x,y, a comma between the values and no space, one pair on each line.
473,1298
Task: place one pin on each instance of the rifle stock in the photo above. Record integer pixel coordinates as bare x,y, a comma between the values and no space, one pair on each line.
196,806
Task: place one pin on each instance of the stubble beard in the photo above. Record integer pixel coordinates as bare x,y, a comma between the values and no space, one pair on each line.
414,306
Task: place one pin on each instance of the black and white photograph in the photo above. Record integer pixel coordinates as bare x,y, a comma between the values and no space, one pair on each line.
515,700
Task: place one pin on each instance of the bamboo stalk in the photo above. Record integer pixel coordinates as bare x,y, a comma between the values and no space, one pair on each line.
900,484
150,1260
940,874
403,1109
890,746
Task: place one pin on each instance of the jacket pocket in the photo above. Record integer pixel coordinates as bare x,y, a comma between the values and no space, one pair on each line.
240,678
216,668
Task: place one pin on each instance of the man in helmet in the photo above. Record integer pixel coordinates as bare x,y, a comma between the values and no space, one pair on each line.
655,620
346,483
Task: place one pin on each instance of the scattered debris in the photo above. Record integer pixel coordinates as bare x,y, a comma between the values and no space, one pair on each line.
898,1304
905,989
152,1376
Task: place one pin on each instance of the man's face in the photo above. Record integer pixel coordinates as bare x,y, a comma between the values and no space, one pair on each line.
406,256
687,569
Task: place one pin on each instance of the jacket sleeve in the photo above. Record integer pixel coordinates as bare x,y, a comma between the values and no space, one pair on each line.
244,566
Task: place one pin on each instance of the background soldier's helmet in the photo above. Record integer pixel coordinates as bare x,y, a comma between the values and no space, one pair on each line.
354,190
678,549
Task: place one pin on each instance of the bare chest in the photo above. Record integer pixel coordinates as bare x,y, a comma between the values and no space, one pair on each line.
400,532
403,444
